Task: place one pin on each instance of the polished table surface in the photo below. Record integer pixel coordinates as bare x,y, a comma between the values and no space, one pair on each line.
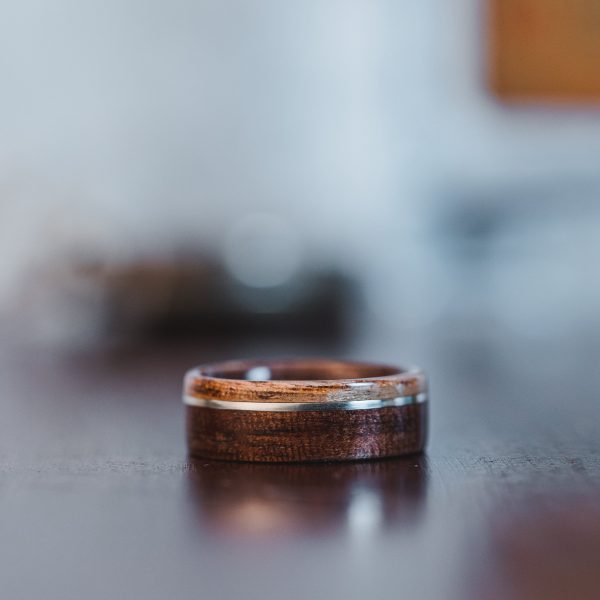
98,498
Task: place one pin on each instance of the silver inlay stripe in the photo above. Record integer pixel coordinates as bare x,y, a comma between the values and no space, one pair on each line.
303,406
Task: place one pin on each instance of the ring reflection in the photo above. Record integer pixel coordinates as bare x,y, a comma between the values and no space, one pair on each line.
256,500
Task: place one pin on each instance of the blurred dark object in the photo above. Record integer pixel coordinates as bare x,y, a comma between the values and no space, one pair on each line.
191,297
545,49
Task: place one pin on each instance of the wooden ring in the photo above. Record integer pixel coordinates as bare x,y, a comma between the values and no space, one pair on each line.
304,410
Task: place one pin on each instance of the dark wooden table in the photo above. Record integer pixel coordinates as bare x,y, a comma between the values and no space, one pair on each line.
98,499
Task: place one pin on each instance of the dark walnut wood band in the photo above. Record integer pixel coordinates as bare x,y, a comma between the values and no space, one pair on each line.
304,410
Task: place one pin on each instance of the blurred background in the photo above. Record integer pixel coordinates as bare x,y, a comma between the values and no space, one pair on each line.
343,171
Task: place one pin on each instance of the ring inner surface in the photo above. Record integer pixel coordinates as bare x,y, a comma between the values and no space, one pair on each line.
299,371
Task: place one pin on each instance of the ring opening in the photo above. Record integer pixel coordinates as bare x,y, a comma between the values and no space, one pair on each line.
314,370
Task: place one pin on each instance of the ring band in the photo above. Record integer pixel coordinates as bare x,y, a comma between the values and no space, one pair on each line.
304,410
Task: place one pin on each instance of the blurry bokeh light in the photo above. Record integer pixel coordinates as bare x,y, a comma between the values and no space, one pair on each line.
262,250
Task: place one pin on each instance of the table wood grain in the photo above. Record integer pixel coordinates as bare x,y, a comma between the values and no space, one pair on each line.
98,499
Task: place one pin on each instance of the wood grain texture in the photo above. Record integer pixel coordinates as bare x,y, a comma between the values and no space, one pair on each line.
307,435
303,380
319,435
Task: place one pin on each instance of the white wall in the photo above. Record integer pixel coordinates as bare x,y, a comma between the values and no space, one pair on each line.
131,127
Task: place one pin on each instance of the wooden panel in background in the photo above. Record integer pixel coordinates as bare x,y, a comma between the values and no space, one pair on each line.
546,50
